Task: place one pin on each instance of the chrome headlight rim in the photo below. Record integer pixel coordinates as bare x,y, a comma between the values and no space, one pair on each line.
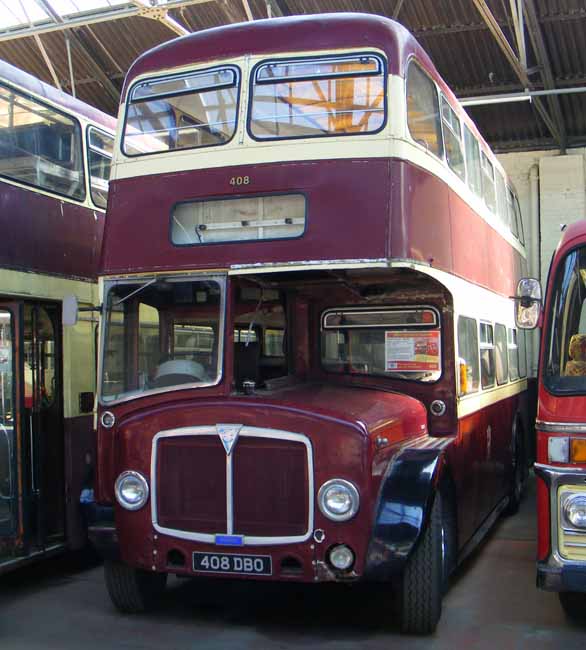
118,490
354,497
570,501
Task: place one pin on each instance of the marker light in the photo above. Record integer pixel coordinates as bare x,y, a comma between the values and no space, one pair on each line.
578,450
558,450
108,420
132,490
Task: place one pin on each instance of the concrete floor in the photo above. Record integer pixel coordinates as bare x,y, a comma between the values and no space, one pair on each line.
492,604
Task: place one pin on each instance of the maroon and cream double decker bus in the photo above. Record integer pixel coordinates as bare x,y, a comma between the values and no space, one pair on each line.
55,155
309,367
561,427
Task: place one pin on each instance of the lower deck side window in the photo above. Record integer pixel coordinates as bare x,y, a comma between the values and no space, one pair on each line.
468,355
401,343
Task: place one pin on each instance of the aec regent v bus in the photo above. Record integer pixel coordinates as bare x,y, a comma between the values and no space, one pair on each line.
309,367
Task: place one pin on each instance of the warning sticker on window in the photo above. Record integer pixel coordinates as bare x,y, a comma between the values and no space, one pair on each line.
412,351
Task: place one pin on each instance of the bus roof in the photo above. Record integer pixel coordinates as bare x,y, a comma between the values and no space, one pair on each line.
17,77
304,33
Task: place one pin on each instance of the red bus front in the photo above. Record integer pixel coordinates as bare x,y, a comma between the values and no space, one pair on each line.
561,427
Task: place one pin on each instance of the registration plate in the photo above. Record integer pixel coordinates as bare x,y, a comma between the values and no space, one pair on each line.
258,565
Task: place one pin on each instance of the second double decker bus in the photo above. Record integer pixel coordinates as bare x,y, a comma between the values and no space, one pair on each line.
55,154
310,369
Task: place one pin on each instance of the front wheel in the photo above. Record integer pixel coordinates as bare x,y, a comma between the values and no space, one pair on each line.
423,581
574,605
133,590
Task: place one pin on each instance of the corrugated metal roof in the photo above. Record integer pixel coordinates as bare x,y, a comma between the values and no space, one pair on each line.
453,32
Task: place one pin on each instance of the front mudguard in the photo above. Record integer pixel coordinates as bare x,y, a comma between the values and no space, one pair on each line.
403,509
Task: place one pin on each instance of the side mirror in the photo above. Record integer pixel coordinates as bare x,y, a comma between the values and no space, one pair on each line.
528,303
70,310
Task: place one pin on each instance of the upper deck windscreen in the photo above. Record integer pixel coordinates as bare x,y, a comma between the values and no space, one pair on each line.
182,112
40,146
302,98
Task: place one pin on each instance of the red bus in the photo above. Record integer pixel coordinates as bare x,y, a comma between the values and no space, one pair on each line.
309,367
561,428
55,155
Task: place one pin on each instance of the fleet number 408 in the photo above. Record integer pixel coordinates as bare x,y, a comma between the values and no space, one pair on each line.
236,181
244,564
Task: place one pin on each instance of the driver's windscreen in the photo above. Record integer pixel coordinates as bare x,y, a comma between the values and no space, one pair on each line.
161,334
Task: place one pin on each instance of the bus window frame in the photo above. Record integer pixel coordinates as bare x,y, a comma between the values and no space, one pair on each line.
222,280
239,85
446,125
441,155
77,122
89,148
320,57
233,198
438,324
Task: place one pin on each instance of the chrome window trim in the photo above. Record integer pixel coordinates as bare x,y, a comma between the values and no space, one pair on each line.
248,432
221,279
560,427
555,477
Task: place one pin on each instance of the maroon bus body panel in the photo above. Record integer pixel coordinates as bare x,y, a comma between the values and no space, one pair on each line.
340,224
44,234
340,424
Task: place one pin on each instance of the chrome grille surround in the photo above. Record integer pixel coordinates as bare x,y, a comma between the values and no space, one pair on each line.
246,431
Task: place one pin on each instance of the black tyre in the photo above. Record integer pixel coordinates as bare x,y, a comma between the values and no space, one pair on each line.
574,605
133,590
424,578
517,480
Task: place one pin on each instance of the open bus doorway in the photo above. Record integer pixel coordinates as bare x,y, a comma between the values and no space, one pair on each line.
32,490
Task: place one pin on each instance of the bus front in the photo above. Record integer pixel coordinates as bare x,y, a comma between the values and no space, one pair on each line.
561,427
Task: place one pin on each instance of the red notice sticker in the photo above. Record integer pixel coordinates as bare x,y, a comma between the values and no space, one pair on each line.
412,351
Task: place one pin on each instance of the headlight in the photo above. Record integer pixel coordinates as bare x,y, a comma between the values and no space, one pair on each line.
338,499
132,490
575,510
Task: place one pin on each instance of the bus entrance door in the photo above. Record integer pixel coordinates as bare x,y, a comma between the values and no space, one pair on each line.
43,423
9,319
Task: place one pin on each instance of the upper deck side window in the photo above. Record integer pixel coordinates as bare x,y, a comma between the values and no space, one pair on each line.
100,150
488,191
423,114
473,168
452,138
316,97
187,111
39,145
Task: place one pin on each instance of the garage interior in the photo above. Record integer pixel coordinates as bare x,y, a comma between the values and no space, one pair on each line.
519,68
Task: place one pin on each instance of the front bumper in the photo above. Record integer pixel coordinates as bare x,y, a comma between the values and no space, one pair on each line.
556,573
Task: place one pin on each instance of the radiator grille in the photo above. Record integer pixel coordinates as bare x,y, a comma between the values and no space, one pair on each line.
263,490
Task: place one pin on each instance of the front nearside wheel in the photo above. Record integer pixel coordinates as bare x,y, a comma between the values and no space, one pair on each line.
133,590
423,582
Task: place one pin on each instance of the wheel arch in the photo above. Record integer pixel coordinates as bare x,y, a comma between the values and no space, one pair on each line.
404,505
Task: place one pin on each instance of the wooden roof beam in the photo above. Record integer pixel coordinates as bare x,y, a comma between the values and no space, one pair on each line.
517,66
